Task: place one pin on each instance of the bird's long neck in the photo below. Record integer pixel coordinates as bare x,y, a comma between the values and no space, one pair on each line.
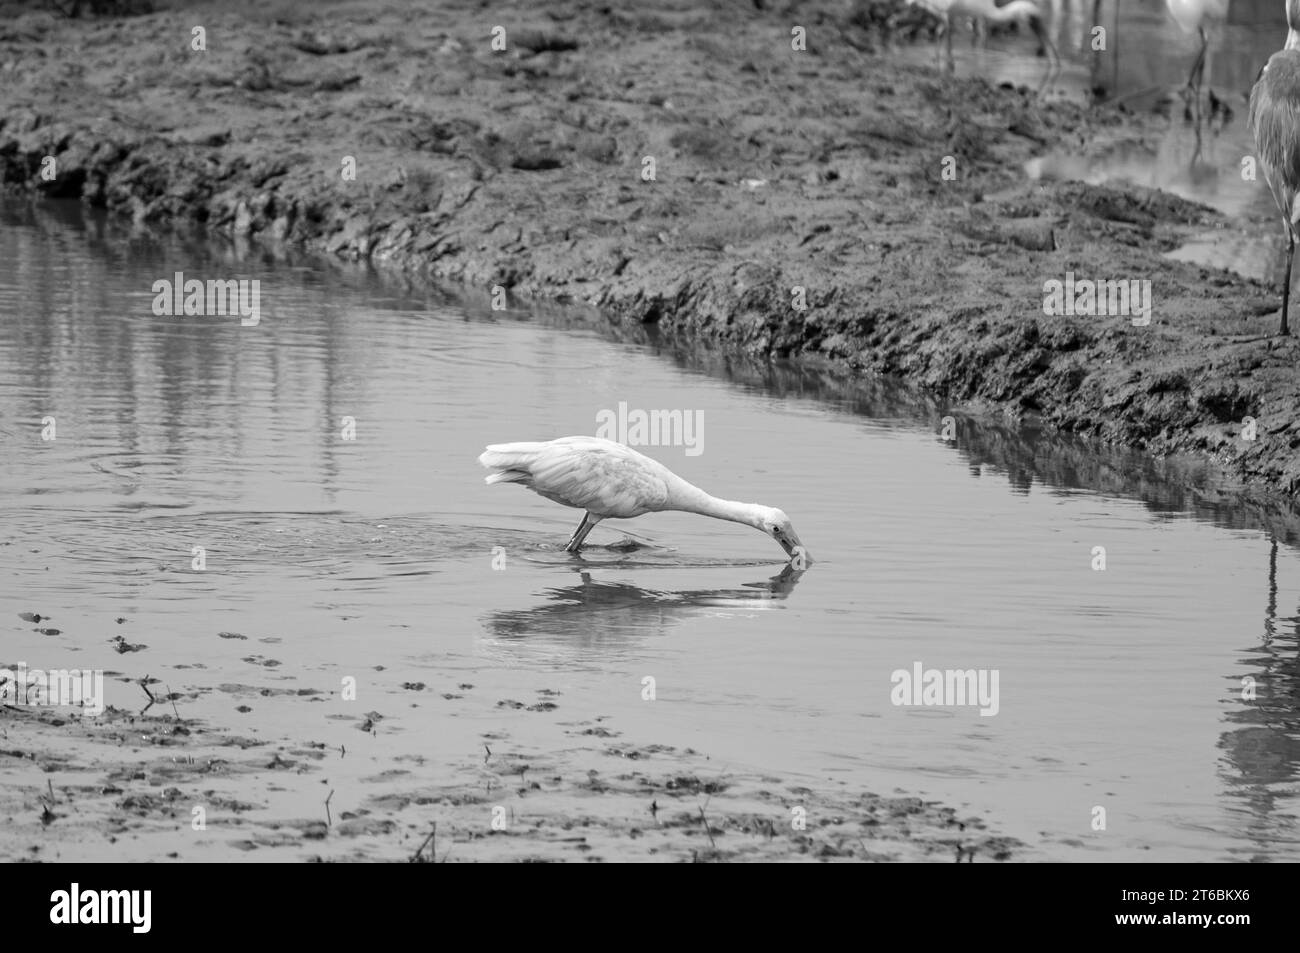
691,499
1293,25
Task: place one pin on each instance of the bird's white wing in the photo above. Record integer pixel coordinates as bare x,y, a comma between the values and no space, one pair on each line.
605,478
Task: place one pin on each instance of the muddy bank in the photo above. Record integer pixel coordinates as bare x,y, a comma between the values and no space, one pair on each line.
150,785
822,169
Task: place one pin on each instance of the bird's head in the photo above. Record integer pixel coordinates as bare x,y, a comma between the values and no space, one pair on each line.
776,524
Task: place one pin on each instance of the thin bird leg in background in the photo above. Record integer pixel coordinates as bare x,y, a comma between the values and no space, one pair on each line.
580,534
1198,119
1194,79
1114,51
1286,287
1049,52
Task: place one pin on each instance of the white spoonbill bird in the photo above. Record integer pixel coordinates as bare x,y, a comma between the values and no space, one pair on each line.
609,480
1275,122
991,11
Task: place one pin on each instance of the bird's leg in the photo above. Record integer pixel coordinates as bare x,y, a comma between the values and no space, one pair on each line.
1049,51
1286,287
580,534
952,66
1195,76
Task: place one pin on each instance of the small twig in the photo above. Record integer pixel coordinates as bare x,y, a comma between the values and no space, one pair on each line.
329,820
47,807
706,828
144,683
172,697
433,853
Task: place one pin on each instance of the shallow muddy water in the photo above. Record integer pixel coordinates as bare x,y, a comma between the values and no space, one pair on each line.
386,559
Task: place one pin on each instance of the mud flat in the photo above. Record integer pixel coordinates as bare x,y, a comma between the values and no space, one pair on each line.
150,785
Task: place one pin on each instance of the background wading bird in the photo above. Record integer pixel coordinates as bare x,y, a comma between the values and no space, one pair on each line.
991,11
1193,16
1275,123
608,480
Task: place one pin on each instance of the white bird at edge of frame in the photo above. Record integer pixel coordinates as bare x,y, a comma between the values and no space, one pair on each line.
610,480
989,11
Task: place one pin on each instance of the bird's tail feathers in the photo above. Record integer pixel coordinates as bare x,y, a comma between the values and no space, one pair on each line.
511,461
508,476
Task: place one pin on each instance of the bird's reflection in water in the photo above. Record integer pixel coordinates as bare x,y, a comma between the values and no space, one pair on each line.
1261,766
596,614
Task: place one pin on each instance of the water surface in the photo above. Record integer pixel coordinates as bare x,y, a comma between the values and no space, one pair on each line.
374,557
